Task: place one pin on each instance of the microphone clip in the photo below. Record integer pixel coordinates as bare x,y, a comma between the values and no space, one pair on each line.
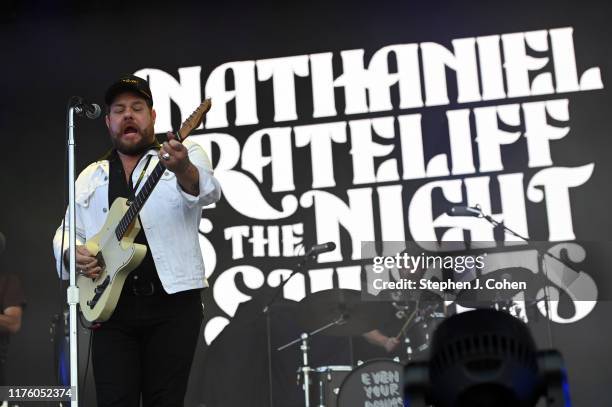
84,108
320,248
474,211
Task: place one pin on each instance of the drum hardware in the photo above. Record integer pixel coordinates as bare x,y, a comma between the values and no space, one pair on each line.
396,296
408,321
359,312
351,313
325,383
542,255
305,368
418,328
311,254
401,309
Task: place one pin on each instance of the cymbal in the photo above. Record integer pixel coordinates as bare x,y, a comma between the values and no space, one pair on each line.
359,313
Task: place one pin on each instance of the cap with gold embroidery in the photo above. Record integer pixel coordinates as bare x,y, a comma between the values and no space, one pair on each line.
129,83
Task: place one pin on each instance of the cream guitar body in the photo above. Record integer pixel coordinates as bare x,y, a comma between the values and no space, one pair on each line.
98,297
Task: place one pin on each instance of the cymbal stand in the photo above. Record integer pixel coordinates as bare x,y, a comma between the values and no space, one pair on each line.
305,369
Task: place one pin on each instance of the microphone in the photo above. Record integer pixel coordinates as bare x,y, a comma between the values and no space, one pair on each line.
321,248
464,211
83,107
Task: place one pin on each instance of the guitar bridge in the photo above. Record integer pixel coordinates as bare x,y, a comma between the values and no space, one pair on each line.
99,290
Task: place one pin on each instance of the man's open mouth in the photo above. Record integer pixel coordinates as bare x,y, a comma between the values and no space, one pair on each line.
130,130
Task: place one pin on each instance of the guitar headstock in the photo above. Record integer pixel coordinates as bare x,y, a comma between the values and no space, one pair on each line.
194,120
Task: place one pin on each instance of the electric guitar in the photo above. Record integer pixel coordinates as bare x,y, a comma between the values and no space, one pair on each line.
114,246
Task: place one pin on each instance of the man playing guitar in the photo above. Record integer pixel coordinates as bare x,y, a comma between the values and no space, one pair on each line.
145,348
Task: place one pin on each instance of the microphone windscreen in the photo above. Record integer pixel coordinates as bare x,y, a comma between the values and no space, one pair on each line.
96,112
462,211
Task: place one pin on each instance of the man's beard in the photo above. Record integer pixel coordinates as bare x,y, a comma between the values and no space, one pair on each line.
137,149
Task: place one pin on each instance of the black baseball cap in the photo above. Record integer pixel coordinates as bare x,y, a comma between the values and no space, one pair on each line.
130,83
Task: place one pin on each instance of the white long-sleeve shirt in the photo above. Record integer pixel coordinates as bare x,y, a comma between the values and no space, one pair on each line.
170,218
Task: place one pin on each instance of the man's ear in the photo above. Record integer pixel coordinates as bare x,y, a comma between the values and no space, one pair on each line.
107,121
153,115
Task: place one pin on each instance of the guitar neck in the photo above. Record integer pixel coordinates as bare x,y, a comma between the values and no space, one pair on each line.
192,122
139,201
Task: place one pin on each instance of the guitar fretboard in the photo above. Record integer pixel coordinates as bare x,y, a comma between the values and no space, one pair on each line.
139,201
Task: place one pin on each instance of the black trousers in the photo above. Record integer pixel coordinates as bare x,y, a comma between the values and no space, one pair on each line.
146,349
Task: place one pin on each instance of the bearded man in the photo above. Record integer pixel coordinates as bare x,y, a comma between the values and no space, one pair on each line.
145,349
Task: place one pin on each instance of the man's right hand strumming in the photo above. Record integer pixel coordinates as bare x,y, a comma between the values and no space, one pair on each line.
86,264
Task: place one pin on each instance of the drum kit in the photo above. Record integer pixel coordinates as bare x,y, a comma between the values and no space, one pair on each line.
378,380
339,312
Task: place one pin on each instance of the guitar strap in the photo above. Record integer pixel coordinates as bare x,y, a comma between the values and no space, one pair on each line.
140,177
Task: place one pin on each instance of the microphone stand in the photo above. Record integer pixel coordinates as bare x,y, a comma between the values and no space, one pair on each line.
541,255
300,265
266,311
73,290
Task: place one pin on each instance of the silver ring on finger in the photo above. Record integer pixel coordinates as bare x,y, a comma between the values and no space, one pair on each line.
165,156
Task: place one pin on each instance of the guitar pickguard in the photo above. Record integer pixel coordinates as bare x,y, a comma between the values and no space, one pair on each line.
99,297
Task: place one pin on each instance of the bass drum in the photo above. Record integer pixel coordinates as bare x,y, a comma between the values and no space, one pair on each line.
376,382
